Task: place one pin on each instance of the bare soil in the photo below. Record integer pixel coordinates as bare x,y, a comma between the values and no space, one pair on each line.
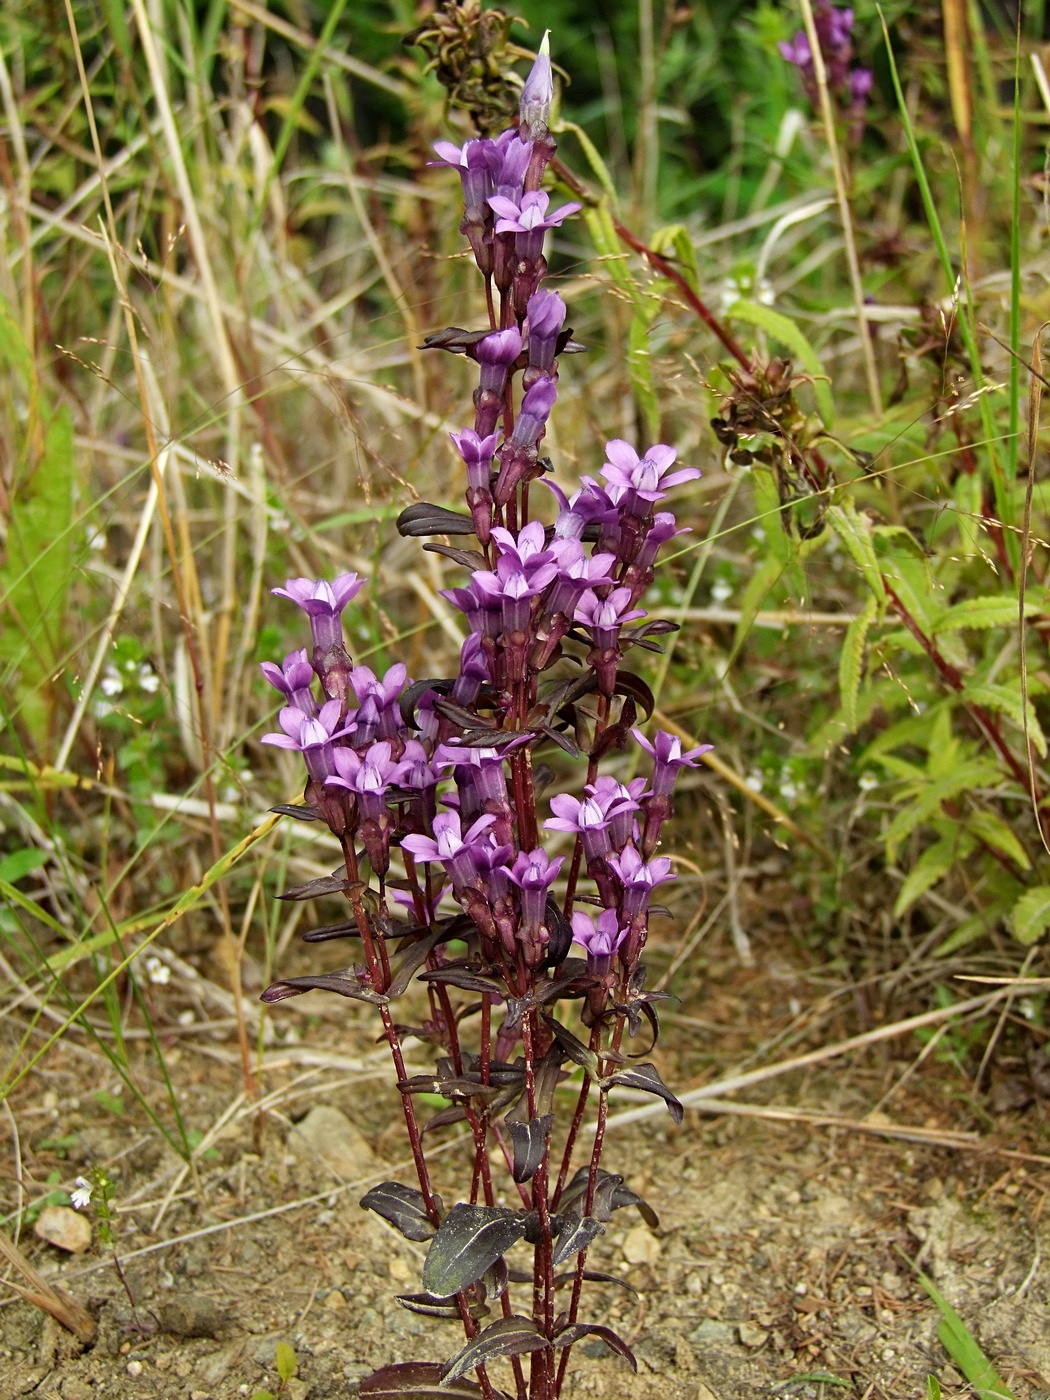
780,1265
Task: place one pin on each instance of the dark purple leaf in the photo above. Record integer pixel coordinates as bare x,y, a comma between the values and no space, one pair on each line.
470,558
414,1380
575,1237
347,929
462,977
314,889
647,1079
609,1194
562,740
627,683
493,1282
594,1329
529,1141
623,1196
467,718
411,697
469,1242
429,1306
577,1052
455,1114
403,1206
510,1336
595,1276
344,984
405,966
426,519
300,812
454,339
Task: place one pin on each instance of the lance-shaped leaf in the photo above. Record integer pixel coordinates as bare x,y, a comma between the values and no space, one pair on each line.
403,1206
405,966
610,1194
593,1329
426,519
346,928
298,811
647,1079
416,1380
462,977
577,1052
576,1236
510,1336
469,1242
313,889
430,1306
470,558
344,984
529,1142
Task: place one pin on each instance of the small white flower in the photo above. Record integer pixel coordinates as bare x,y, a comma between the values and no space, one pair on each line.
112,683
159,973
81,1194
788,790
867,781
721,591
149,681
96,539
754,780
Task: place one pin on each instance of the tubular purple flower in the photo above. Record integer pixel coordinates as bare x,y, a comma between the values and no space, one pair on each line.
534,873
587,819
323,602
639,878
477,454
619,803
495,354
668,759
313,737
294,679
537,94
510,178
600,940
658,534
605,616
473,671
546,317
529,220
368,775
533,414
451,848
643,480
477,162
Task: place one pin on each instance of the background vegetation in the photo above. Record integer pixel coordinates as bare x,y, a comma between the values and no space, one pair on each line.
223,246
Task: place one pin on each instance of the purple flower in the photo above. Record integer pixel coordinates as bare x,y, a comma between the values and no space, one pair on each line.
538,93
473,671
294,679
658,534
495,354
453,849
477,453
367,775
642,479
323,602
589,819
619,803
534,873
600,940
797,51
313,737
668,759
378,712
515,157
528,551
528,220
546,316
639,878
533,414
477,163
576,572
605,616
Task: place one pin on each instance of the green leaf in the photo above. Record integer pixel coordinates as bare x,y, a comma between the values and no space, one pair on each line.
933,1388
675,240
1030,916
983,612
19,864
594,160
932,866
962,1347
1006,699
854,530
607,245
780,328
640,369
286,1362
966,775
990,828
851,661
977,926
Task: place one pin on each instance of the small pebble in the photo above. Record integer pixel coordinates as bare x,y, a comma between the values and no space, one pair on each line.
640,1246
64,1228
190,1315
135,1368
